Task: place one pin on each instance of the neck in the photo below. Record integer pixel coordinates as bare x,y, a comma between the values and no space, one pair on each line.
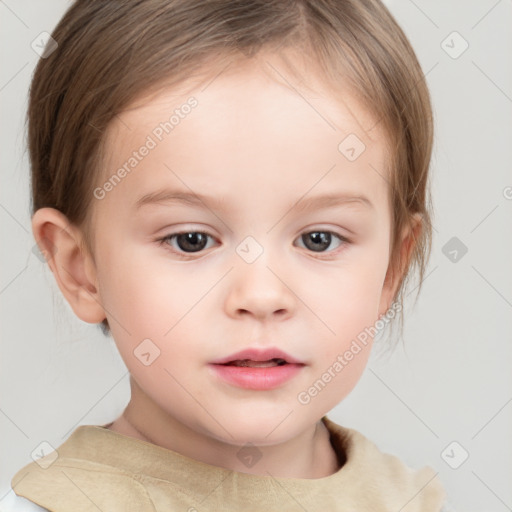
309,455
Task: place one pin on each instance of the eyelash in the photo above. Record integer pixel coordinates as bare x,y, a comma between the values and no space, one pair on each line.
162,242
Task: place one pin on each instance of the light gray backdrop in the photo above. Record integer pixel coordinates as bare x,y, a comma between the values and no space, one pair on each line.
447,397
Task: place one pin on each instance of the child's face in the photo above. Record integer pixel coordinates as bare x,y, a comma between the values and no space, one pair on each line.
260,150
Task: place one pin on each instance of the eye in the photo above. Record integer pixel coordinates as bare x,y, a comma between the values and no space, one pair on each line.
318,241
186,241
190,242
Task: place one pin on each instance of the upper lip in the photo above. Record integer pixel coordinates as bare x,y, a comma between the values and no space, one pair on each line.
257,354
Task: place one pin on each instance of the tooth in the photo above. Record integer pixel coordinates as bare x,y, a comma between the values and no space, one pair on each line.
255,364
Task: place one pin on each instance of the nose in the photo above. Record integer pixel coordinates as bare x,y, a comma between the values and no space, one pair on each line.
257,289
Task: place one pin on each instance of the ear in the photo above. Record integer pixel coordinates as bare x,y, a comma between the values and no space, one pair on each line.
72,267
396,272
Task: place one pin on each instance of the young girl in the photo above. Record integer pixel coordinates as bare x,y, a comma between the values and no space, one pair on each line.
237,192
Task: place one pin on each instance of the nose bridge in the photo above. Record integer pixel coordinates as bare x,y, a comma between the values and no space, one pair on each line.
256,286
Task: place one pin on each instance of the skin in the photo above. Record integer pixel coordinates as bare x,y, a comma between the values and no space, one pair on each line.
260,144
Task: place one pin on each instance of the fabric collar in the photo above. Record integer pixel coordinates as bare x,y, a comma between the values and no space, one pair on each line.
117,472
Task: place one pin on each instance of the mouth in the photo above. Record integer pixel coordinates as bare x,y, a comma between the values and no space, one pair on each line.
256,375
258,358
249,363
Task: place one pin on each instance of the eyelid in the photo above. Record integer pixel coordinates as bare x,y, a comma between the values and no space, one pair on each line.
344,241
184,255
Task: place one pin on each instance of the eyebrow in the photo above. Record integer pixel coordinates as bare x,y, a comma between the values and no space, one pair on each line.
192,199
329,200
177,196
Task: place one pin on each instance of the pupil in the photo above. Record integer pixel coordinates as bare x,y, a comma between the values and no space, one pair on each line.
321,240
189,241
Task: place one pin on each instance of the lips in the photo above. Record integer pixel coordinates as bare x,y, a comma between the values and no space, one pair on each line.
256,369
258,358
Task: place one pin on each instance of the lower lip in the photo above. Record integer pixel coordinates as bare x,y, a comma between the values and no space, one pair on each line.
257,378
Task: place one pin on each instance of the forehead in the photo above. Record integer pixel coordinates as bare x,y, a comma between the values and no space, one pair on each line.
269,80
254,124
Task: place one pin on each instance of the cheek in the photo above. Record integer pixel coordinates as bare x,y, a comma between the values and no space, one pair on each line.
139,291
350,309
349,306
146,299
350,298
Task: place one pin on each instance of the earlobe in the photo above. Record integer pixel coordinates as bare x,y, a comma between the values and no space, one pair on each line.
60,243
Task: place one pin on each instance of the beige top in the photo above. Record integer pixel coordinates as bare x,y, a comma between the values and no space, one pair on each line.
99,469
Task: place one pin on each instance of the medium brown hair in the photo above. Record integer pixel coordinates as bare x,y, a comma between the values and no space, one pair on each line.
110,52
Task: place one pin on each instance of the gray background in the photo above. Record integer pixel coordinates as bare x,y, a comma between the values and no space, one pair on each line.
453,381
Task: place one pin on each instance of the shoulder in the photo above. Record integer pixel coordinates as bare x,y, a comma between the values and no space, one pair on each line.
385,475
92,458
14,503
53,481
